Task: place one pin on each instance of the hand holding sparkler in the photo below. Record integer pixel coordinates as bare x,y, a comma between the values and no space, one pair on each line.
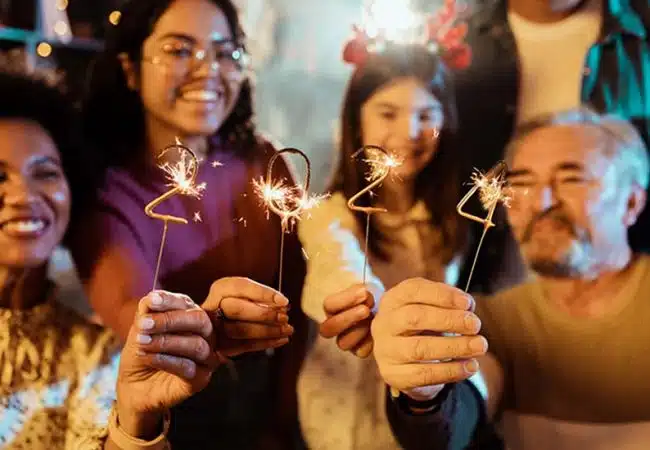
182,177
491,189
380,163
288,202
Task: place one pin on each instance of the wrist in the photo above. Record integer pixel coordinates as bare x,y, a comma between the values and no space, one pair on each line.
140,425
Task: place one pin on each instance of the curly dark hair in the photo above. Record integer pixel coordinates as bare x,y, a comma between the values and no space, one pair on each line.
113,114
31,99
439,182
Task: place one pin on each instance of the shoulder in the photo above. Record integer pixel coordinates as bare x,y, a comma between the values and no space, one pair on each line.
332,213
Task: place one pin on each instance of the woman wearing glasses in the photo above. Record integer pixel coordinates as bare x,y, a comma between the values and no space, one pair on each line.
176,69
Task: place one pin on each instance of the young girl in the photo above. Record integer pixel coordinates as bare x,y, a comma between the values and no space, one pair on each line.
399,99
177,69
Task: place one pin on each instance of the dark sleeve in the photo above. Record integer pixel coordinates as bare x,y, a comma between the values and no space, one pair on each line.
458,423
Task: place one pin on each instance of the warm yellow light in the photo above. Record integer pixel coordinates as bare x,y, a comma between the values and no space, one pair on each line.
44,49
114,17
61,28
61,5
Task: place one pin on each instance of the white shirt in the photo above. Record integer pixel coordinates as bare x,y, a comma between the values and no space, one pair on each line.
552,57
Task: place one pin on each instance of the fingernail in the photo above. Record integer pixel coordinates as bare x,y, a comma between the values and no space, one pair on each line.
281,300
362,312
140,353
282,317
156,299
463,302
146,323
287,329
362,293
479,344
471,366
472,323
143,339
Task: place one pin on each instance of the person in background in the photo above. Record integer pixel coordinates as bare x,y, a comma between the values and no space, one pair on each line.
563,370
400,99
63,383
177,69
539,57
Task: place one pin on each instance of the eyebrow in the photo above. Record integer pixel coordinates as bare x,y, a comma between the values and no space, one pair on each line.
394,106
37,160
570,166
518,173
192,39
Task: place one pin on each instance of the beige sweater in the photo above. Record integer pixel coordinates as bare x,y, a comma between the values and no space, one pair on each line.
341,397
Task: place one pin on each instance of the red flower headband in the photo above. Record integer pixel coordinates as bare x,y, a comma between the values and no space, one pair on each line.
443,35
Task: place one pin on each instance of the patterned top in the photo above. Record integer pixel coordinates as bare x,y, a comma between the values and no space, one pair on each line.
342,397
57,379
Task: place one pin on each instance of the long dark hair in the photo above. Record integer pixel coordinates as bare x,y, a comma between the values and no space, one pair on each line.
113,113
438,183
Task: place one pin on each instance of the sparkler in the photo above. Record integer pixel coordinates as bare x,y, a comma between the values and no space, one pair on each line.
181,176
288,202
491,189
380,163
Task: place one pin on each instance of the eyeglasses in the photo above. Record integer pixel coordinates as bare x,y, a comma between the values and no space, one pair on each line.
563,187
181,58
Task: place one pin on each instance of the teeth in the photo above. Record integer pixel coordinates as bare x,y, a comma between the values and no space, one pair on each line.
24,226
201,96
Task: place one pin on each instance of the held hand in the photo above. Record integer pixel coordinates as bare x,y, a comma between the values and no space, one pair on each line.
166,359
349,314
413,346
247,316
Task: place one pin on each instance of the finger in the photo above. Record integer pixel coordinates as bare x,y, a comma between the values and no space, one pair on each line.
242,288
182,367
160,301
411,319
426,292
193,321
337,324
237,308
428,348
411,376
248,330
239,347
346,299
353,337
192,347
365,349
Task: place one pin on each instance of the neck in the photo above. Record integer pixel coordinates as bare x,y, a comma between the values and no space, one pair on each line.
160,136
545,11
397,196
24,288
593,295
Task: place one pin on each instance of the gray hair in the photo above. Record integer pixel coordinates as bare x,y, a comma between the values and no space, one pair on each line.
629,149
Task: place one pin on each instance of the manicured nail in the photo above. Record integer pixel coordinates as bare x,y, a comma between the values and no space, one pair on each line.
146,323
143,339
156,299
287,329
479,344
471,366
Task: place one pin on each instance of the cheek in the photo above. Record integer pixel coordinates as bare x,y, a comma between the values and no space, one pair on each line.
157,90
60,199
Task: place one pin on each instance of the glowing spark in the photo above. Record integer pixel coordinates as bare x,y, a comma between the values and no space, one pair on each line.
491,190
380,164
289,203
304,253
182,176
197,217
217,164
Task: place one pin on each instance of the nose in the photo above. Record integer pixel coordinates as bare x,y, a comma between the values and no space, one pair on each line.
18,192
414,127
545,198
205,64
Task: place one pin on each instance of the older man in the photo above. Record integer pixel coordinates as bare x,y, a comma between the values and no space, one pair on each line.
567,366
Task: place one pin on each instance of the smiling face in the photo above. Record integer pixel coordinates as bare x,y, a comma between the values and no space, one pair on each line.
190,77
571,209
405,119
34,195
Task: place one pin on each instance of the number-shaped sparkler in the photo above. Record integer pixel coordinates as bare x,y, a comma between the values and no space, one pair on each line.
182,179
491,190
380,163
